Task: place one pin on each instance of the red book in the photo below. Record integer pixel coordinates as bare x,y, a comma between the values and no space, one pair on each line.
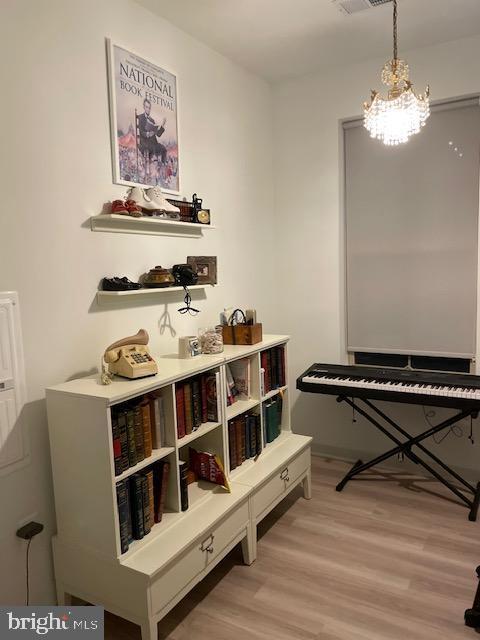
266,368
180,402
203,394
281,358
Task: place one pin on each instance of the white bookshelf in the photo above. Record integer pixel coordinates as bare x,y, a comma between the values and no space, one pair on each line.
146,581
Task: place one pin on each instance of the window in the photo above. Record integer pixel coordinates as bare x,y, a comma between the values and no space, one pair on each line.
412,237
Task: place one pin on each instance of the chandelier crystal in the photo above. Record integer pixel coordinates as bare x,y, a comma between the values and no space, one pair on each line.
402,113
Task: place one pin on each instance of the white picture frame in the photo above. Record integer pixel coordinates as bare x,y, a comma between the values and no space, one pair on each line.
145,147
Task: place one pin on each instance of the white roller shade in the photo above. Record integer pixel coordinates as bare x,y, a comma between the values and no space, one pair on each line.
412,236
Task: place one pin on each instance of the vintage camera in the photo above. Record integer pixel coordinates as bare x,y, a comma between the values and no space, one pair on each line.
184,275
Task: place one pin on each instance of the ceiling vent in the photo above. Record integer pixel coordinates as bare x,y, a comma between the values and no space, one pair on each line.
354,6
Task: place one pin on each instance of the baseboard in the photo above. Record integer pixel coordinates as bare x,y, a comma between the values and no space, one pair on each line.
352,455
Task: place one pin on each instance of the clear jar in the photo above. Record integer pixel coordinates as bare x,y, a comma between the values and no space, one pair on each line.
211,339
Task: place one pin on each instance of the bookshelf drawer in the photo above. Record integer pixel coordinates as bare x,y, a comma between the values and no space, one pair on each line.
227,530
179,574
280,483
197,558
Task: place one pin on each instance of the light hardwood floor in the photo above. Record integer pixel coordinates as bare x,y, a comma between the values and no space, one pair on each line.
392,557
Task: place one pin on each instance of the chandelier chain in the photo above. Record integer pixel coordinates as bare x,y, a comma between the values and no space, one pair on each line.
395,37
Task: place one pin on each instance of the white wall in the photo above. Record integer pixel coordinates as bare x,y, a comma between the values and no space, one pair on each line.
57,172
309,222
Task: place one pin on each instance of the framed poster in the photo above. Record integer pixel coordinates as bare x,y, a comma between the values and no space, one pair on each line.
143,121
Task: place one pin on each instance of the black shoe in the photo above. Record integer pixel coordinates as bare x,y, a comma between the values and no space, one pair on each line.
128,283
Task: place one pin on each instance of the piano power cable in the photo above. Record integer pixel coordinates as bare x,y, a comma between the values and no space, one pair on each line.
455,429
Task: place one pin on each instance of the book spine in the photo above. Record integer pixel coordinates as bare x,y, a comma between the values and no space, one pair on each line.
183,472
268,373
274,367
262,381
129,511
123,434
117,446
147,428
132,449
122,502
196,403
180,404
136,503
238,440
264,418
146,505
252,420
212,403
247,436
163,491
138,426
279,414
258,434
187,394
283,376
203,390
151,505
232,449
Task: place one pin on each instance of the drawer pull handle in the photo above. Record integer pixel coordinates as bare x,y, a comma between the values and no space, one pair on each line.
207,544
284,475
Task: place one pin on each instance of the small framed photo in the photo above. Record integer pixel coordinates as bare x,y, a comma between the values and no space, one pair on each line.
205,267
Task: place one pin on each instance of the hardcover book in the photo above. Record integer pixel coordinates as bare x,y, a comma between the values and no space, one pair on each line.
136,506
138,426
212,402
187,395
147,427
123,434
145,504
180,404
196,403
122,502
132,449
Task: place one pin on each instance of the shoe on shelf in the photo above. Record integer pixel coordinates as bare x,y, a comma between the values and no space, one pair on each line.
119,284
129,283
155,195
118,207
137,195
133,209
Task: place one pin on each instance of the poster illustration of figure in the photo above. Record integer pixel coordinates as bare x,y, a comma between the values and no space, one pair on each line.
143,115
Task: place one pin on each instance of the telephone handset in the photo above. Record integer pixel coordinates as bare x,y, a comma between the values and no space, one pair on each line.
130,358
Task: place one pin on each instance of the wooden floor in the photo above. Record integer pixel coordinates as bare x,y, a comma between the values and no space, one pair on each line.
389,558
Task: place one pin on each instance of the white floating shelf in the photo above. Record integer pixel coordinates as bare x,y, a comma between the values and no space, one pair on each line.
112,295
116,223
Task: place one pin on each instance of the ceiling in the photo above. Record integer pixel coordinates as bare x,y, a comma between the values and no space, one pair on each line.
278,39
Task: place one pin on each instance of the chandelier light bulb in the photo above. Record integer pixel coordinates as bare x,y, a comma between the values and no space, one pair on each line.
402,113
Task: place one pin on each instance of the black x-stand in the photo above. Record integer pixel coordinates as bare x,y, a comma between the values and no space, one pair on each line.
405,448
472,616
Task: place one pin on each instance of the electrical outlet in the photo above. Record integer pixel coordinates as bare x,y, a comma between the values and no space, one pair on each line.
30,530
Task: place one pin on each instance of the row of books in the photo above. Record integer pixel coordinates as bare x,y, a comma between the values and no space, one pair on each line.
196,402
138,427
238,380
272,418
244,438
272,371
141,502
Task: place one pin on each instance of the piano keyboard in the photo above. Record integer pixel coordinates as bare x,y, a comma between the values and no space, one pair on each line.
415,387
396,387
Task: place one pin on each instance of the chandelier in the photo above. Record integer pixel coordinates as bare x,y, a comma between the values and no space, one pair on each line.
402,113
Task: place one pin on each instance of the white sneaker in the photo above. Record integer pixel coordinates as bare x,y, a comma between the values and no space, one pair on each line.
155,195
138,196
